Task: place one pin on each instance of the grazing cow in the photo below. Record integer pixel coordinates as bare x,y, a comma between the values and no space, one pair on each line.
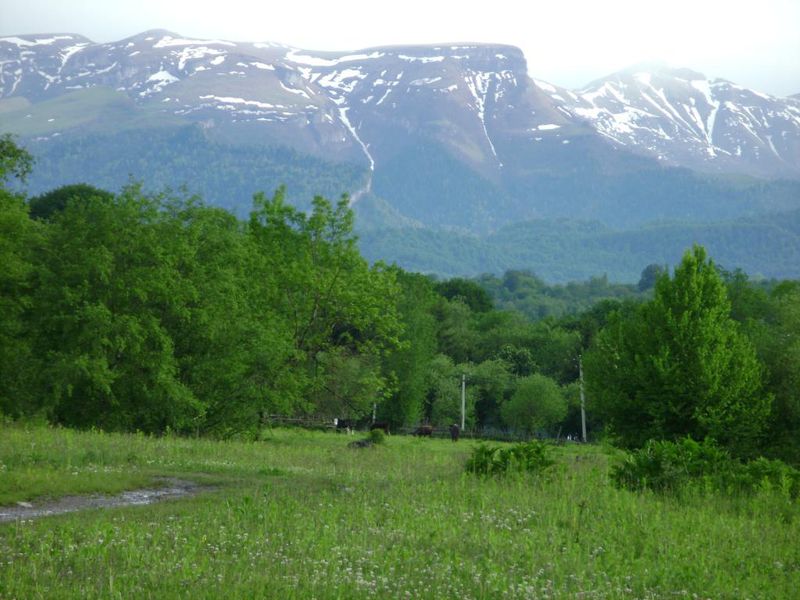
455,431
383,425
424,431
345,425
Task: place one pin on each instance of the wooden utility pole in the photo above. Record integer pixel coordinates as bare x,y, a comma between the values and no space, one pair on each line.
583,401
463,399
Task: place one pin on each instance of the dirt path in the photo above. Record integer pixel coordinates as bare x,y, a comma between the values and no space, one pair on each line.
173,488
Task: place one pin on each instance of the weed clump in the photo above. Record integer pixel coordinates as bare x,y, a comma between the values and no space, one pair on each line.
376,436
526,457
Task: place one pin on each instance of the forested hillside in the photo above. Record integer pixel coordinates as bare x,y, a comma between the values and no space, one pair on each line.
225,175
561,251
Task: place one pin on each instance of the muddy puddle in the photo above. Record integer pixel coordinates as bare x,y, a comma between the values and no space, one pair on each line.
172,488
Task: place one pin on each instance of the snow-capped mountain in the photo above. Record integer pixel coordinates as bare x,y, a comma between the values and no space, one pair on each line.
360,105
680,117
455,135
349,105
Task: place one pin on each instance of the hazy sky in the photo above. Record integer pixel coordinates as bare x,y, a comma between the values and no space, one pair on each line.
566,42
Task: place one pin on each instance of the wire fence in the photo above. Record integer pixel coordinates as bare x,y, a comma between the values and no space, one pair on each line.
347,426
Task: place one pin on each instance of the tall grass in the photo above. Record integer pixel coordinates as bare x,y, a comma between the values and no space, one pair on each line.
299,515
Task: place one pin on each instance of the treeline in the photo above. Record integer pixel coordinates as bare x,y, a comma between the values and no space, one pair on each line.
135,311
711,356
766,245
527,293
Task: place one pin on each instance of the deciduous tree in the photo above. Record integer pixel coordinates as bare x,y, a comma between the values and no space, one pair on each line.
679,366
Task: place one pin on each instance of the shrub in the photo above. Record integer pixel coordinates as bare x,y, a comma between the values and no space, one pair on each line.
376,436
665,466
773,474
530,457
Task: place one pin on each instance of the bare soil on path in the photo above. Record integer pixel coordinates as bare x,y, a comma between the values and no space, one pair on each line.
172,488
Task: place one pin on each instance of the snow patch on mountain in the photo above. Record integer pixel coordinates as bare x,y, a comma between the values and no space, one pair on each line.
478,85
295,56
168,41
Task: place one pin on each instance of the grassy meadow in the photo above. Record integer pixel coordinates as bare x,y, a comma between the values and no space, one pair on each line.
297,514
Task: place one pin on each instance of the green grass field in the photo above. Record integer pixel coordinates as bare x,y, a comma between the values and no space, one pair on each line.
299,515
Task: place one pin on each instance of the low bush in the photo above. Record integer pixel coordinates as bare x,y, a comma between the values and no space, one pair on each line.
376,436
665,466
527,457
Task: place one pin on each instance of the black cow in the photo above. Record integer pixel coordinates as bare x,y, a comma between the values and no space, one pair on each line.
345,425
455,431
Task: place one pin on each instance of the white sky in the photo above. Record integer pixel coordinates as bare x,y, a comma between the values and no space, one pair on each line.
566,42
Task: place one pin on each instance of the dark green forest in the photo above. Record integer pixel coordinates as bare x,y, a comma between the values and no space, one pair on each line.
562,250
185,156
156,312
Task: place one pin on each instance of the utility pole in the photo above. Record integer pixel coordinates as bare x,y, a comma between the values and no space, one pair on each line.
463,399
583,401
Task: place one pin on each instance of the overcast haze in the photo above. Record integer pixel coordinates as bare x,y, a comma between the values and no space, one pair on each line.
570,44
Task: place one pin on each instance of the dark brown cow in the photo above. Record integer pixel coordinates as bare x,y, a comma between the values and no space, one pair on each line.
455,431
424,431
383,425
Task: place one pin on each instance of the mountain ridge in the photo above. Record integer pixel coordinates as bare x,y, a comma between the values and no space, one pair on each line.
322,99
454,136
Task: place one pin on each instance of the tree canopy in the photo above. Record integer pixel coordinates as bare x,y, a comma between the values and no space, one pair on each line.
679,365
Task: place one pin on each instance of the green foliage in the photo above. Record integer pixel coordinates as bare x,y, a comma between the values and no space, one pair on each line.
650,275
15,161
20,239
527,457
525,292
666,466
679,366
469,292
107,279
336,306
47,205
771,319
537,404
408,364
443,401
564,251
376,436
157,312
153,312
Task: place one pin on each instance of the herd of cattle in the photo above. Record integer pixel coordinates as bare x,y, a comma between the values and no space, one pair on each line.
349,425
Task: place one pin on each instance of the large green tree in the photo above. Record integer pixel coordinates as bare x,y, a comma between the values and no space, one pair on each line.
341,313
537,404
107,282
408,364
679,365
20,239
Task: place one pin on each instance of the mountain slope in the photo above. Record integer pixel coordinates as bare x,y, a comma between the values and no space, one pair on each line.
682,118
560,251
477,100
457,137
